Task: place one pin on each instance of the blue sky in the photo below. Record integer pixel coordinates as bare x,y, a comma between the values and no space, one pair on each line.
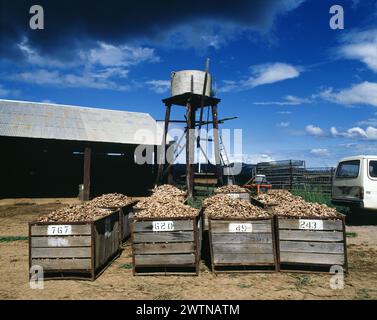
300,89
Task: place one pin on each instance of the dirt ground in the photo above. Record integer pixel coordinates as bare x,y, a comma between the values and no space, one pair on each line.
117,281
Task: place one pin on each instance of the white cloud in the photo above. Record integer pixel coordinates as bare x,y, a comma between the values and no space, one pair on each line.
283,124
370,133
284,112
257,158
361,46
159,86
288,101
264,74
119,56
270,73
362,93
55,78
96,67
320,152
230,85
368,122
314,130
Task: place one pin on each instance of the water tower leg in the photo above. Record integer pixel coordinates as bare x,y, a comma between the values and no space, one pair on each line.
162,156
190,149
216,140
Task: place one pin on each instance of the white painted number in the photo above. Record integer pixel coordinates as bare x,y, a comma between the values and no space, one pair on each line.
310,224
59,230
234,195
163,226
240,227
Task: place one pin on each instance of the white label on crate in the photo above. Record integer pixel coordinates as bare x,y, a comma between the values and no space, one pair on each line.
163,226
310,224
240,227
55,230
233,195
57,242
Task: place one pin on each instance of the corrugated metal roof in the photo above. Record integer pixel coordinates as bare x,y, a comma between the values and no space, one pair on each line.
53,121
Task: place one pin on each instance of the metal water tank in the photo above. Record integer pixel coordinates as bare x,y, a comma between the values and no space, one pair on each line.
181,82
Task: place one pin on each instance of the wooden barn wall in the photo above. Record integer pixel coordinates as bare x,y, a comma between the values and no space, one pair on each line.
49,168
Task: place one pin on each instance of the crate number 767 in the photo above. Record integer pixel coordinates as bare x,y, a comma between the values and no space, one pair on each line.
59,230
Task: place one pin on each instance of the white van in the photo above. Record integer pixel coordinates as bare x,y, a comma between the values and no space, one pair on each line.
355,182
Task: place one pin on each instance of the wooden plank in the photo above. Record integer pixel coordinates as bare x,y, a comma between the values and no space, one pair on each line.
312,258
179,225
69,241
294,224
163,248
242,238
311,247
165,259
306,235
180,236
257,226
84,252
62,264
242,248
243,258
77,229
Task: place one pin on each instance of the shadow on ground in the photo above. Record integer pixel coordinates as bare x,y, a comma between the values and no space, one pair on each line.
361,217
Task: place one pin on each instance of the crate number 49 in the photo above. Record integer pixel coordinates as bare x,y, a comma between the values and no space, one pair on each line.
59,230
240,227
163,226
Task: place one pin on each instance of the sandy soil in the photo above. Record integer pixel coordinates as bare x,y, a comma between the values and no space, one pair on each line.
117,281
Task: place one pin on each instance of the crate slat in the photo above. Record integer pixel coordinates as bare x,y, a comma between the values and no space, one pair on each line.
61,252
154,248
257,226
243,259
245,248
179,225
312,247
181,236
312,258
308,235
72,241
165,259
77,229
242,238
63,264
327,224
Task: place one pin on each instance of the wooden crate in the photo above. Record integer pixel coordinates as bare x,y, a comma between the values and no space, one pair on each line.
242,245
238,195
171,252
311,244
74,250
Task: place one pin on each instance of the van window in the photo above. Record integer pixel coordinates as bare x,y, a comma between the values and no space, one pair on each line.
348,169
373,168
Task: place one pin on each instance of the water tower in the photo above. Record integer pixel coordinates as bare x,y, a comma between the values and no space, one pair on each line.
192,89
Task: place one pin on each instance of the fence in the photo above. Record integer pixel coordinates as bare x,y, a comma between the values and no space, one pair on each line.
293,175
